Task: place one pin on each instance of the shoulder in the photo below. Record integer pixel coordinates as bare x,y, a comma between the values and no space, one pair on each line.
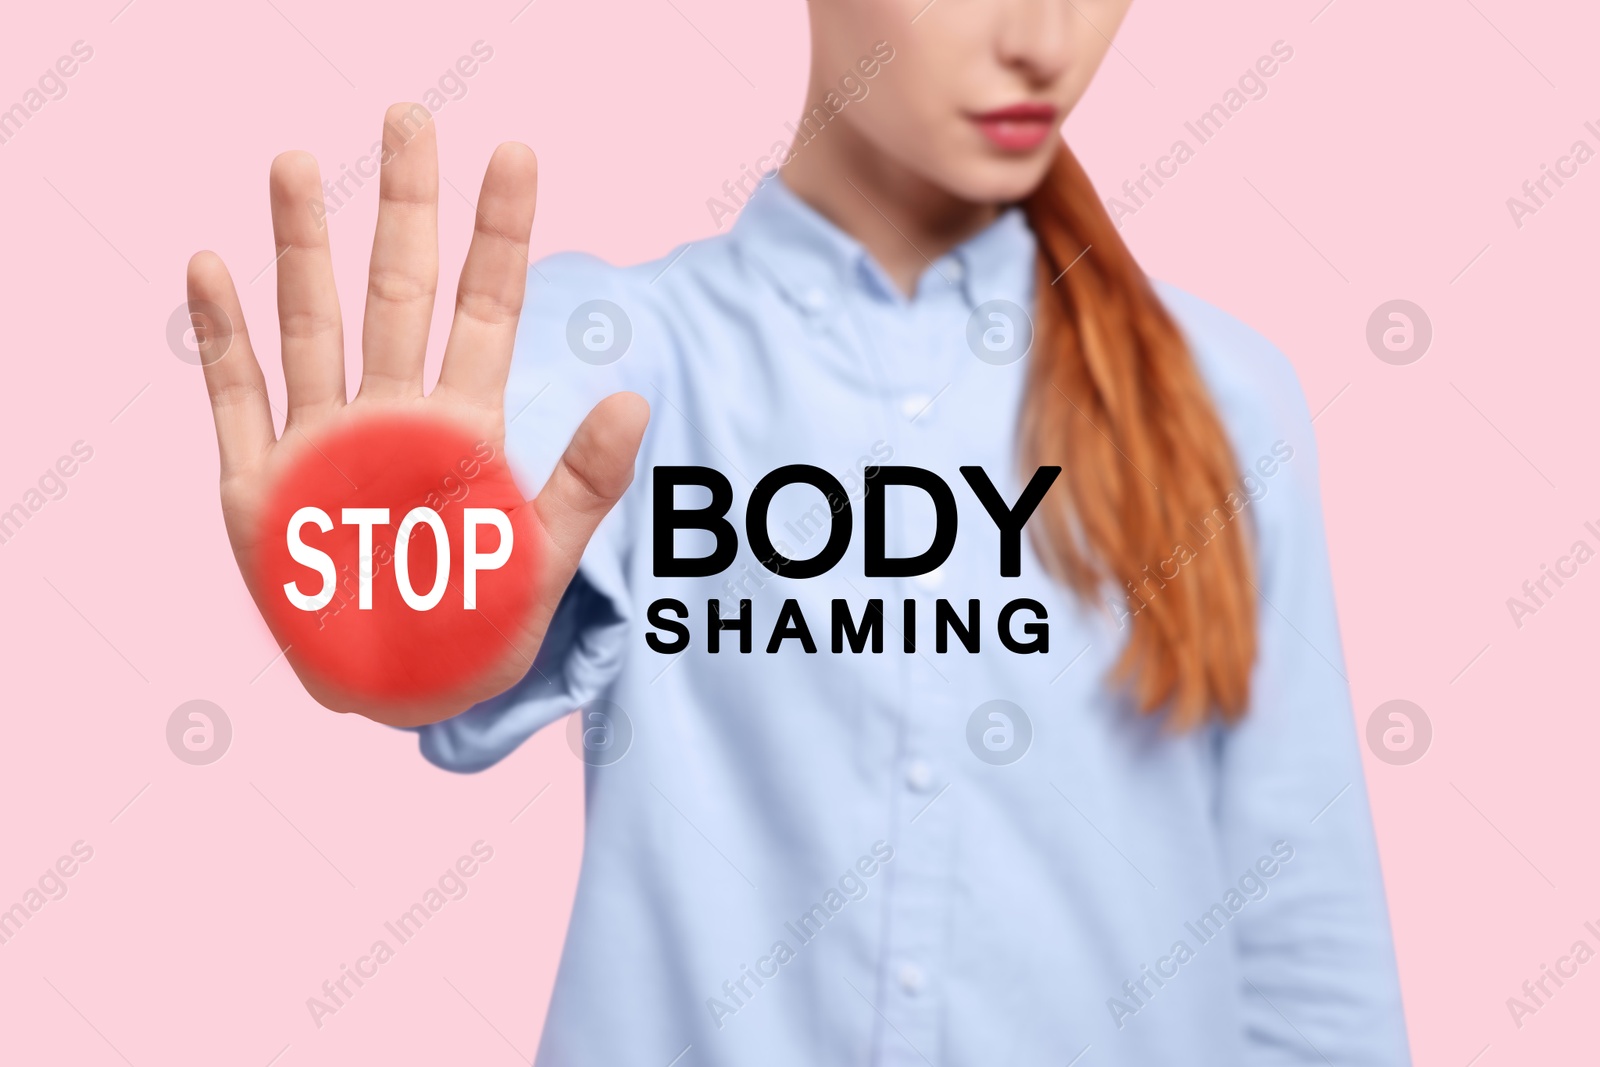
644,302
1263,409
612,323
590,328
1252,383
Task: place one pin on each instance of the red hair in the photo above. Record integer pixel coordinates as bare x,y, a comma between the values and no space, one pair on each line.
1115,399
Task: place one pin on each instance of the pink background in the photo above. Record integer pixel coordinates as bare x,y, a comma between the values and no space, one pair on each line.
220,897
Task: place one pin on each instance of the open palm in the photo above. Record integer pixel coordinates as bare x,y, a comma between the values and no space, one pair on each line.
593,473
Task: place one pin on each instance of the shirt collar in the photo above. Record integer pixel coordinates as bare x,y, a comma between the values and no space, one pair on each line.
814,263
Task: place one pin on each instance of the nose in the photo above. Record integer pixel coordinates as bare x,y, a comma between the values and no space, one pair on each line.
1035,36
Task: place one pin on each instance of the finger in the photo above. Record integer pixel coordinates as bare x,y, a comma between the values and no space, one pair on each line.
308,306
592,475
477,357
233,377
405,257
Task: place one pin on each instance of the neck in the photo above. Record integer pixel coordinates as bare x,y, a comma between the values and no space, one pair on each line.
904,221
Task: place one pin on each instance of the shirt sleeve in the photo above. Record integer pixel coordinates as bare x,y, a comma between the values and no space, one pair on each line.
1318,981
560,370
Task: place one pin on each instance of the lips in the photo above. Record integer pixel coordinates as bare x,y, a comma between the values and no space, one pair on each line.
1018,128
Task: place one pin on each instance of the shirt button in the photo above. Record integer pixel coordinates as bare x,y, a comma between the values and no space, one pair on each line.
815,299
919,775
931,580
912,979
954,270
916,405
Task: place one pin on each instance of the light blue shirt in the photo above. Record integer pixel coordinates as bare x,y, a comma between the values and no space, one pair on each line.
799,858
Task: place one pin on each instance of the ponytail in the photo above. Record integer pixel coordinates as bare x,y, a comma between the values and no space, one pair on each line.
1115,399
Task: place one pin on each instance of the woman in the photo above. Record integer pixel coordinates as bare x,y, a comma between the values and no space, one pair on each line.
1130,828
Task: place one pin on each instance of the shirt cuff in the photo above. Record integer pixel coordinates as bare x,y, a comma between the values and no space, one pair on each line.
580,657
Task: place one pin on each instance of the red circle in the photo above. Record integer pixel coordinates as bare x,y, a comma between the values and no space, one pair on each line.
392,651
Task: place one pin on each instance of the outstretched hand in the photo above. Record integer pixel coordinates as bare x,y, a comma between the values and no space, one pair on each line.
468,399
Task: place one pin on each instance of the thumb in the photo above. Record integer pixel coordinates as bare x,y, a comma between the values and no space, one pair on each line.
593,473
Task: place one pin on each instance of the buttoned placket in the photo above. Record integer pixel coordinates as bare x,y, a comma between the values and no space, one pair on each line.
908,354
915,946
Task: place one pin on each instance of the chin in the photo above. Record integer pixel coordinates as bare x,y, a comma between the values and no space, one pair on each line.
1000,181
